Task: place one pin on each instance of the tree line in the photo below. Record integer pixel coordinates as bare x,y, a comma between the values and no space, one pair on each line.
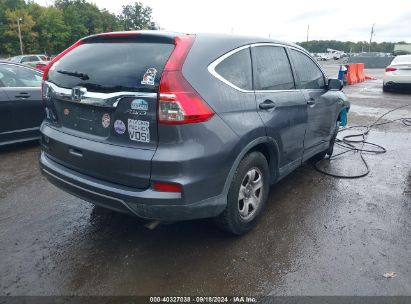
53,28
320,46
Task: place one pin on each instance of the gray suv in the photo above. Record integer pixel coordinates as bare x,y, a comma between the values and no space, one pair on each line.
174,127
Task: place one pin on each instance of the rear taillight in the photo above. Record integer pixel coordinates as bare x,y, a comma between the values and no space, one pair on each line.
390,69
179,103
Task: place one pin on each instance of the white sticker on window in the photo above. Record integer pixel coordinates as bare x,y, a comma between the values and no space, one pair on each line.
149,76
139,130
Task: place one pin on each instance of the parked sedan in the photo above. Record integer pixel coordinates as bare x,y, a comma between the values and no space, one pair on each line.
21,110
30,60
398,74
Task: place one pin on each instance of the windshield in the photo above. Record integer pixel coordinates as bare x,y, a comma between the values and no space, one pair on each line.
15,59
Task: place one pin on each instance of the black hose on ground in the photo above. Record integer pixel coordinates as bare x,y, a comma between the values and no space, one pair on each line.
349,142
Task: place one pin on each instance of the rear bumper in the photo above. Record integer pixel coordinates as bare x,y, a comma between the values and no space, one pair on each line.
147,203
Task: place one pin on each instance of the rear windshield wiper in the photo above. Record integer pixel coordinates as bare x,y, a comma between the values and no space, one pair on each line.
82,76
106,88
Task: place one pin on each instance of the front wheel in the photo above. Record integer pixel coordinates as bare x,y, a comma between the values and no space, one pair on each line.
330,148
247,195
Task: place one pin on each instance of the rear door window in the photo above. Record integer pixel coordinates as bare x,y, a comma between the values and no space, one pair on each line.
112,66
236,69
272,69
309,74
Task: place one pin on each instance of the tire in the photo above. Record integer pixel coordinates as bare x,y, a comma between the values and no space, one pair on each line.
246,200
329,151
386,89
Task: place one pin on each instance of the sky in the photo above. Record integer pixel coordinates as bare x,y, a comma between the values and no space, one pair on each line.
282,19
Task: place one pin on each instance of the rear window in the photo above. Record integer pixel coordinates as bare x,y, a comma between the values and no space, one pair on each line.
111,67
402,59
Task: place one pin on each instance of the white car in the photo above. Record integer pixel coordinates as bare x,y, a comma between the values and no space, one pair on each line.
322,57
30,60
398,73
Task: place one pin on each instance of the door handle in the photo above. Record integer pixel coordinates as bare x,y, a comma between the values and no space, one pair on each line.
311,101
267,104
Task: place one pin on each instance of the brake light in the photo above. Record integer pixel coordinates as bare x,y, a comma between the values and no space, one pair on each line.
182,47
167,187
390,69
179,103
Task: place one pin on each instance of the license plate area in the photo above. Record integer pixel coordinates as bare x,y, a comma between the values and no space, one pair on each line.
84,118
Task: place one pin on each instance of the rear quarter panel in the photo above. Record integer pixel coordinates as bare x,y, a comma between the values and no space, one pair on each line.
212,146
237,109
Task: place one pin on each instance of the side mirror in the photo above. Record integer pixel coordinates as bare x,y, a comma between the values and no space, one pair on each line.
335,85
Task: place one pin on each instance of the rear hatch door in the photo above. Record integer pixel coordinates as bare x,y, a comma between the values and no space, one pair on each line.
105,91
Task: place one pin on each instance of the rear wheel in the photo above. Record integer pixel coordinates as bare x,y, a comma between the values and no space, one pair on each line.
247,195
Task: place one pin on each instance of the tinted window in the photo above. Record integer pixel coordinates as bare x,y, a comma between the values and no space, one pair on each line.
15,76
272,69
236,69
402,59
25,59
114,66
308,72
29,59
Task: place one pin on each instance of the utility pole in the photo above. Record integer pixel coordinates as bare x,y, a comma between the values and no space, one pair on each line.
308,30
18,26
372,33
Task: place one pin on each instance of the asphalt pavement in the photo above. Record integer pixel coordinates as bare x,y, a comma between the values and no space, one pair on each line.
318,236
